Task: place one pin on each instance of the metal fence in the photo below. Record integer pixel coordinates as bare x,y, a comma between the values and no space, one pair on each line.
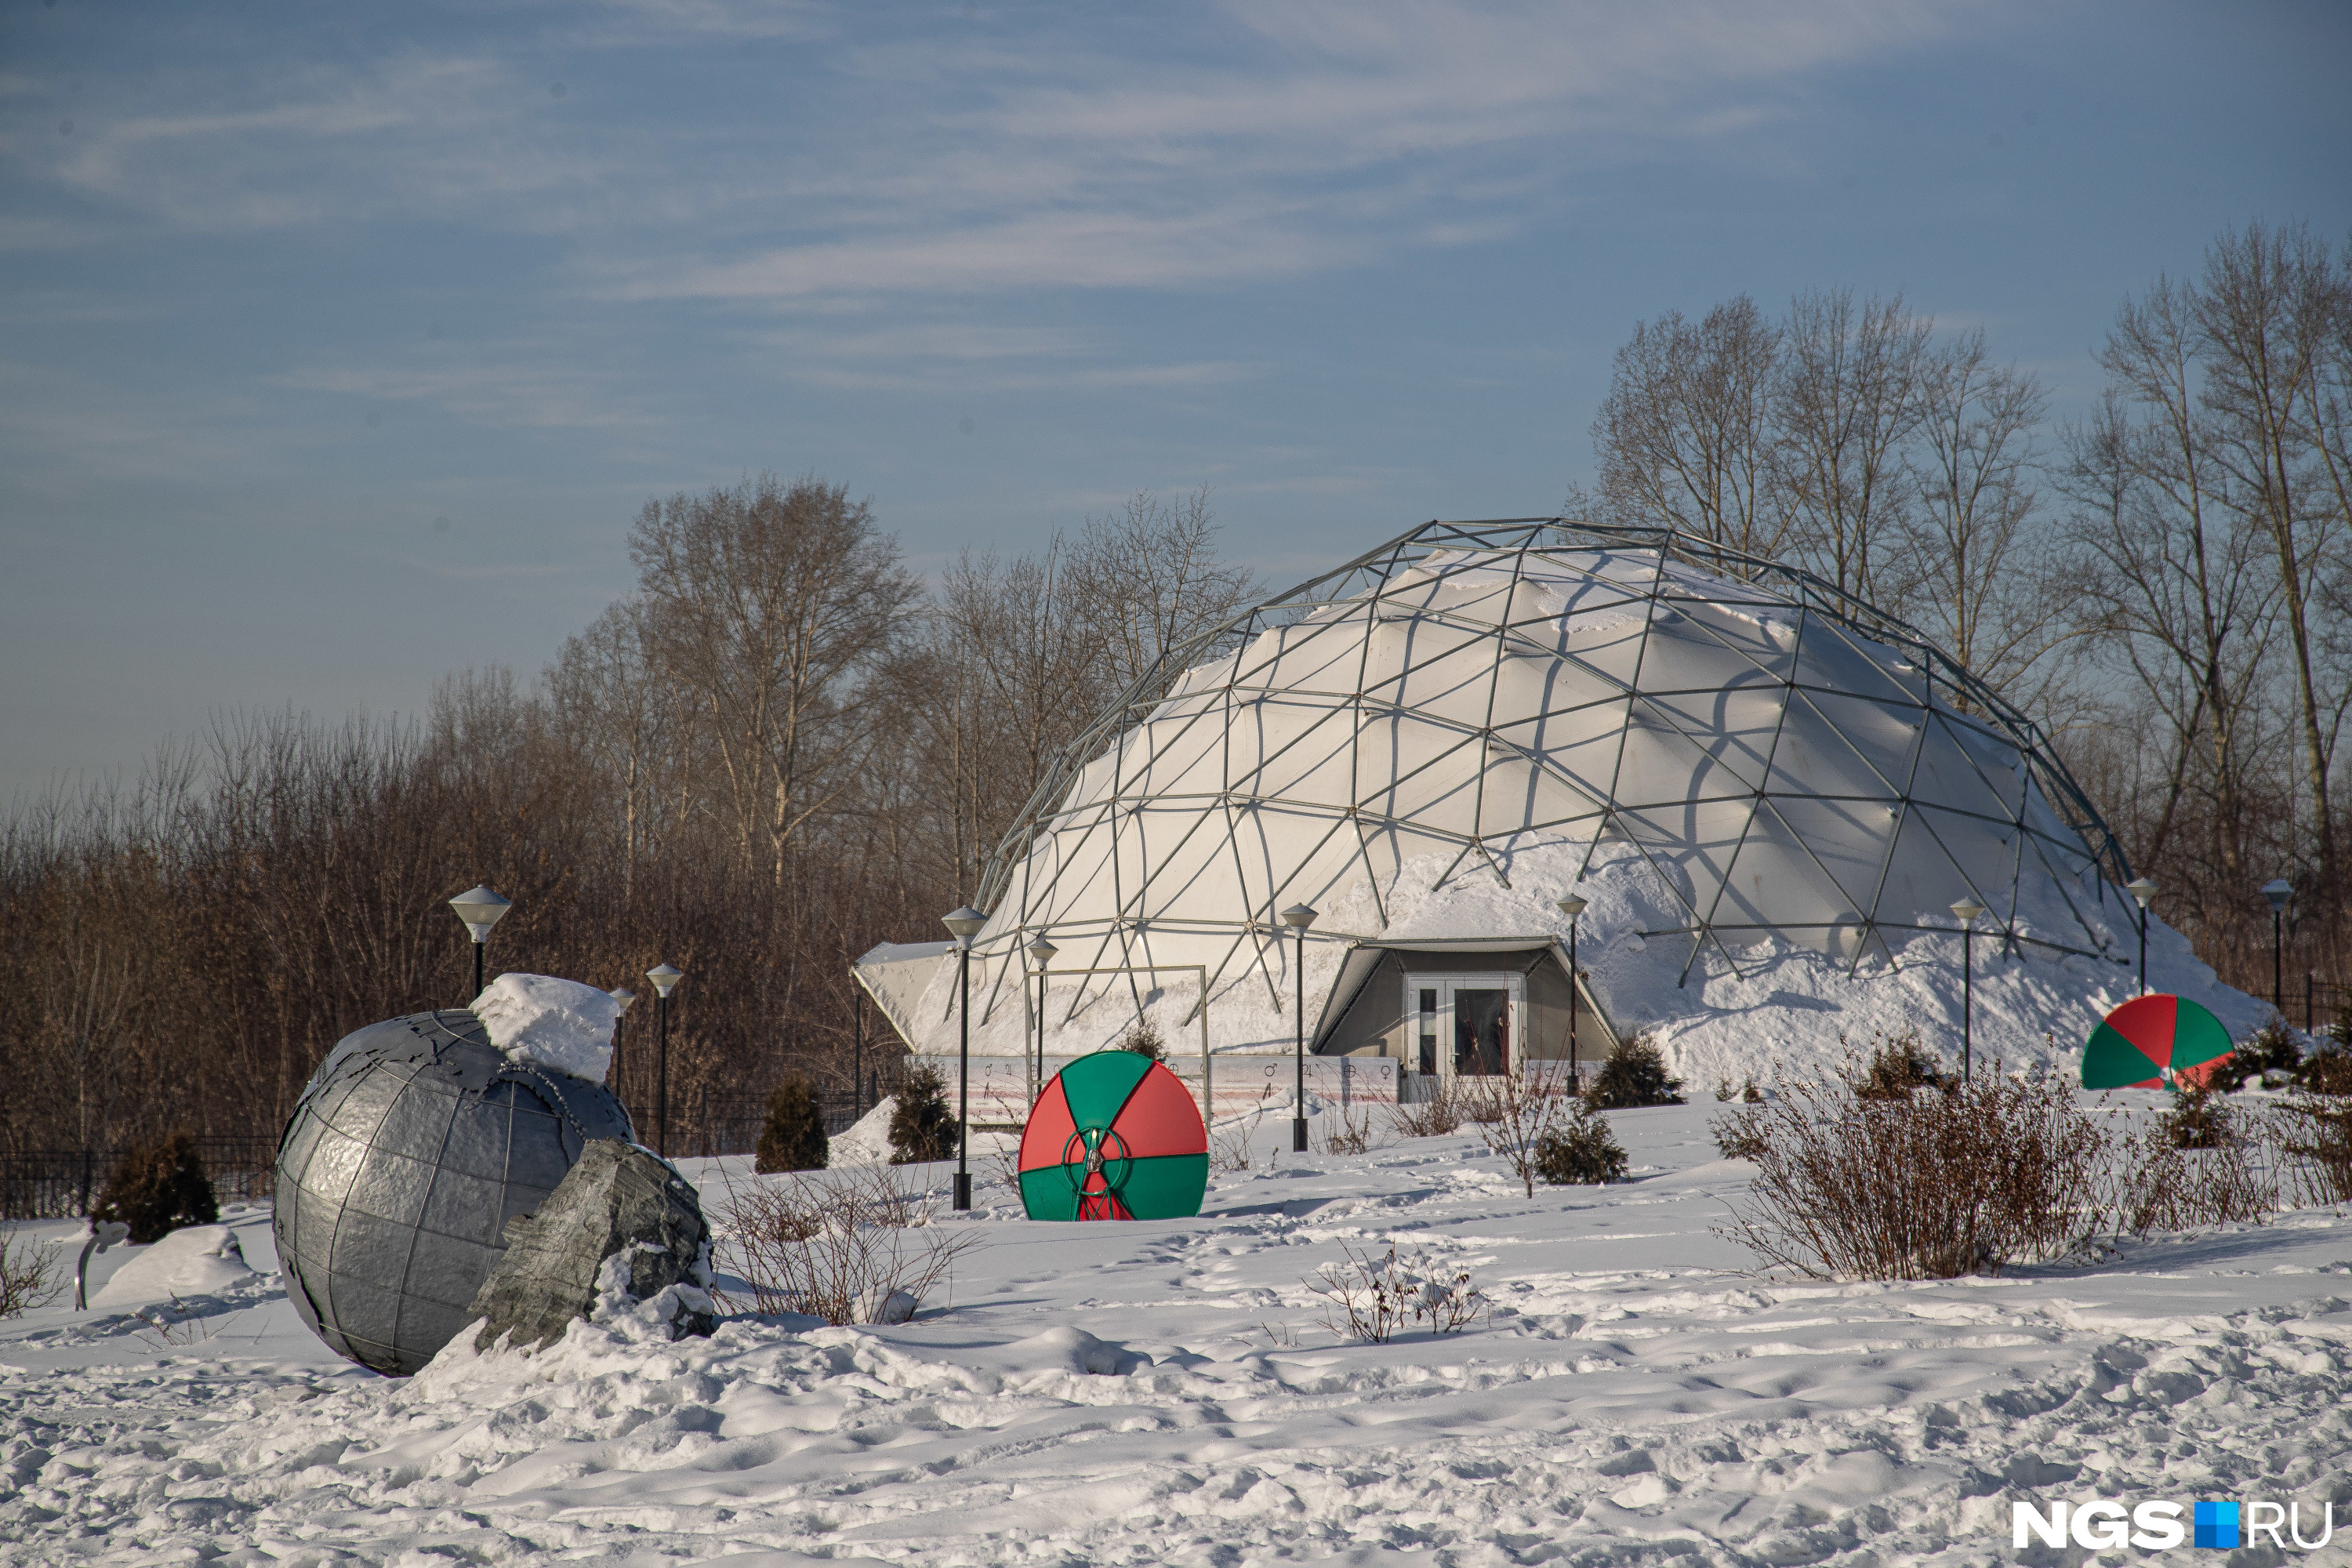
2323,1001
56,1184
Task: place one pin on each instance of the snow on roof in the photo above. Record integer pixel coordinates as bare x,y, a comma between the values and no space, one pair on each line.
1742,770
894,974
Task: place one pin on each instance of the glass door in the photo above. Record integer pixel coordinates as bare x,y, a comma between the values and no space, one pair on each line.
1464,1026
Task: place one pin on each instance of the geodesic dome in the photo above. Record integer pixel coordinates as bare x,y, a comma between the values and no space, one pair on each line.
411,1146
1513,703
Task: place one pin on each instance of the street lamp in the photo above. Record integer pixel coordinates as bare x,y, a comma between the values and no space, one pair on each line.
1967,910
1571,906
1043,952
622,997
1299,918
2278,891
665,979
965,924
480,909
2142,889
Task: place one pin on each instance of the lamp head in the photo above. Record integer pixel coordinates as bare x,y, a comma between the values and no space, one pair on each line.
665,979
964,923
623,995
2141,887
1300,916
480,909
2278,891
1573,906
1967,910
1041,949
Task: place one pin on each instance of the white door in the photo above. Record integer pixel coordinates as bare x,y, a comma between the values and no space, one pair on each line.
1464,1026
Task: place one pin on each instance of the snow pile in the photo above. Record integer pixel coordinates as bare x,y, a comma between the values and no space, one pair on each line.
866,1141
561,1025
200,1260
1165,1392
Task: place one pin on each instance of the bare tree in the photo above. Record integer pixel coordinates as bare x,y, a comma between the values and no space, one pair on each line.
1686,436
1983,585
2267,315
772,604
1146,577
1848,401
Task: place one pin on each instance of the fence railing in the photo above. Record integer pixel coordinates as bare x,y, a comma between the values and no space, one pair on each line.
58,1183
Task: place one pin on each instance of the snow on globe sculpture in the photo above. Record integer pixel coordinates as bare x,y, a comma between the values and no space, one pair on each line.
415,1142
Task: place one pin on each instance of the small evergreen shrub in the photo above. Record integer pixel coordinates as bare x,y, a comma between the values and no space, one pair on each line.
1144,1041
158,1187
1897,1066
2271,1048
2198,1119
2326,1072
1634,1076
1582,1151
922,1126
792,1137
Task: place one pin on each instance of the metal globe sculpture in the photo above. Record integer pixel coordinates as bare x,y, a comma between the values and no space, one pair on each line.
1114,1136
413,1146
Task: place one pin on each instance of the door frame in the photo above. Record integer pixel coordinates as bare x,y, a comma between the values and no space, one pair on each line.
1512,983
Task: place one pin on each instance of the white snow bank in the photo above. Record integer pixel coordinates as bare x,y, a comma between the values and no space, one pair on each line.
561,1025
200,1260
866,1141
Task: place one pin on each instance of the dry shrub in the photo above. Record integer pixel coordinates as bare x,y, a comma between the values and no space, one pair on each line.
2199,1119
2271,1048
1233,1151
31,1274
1439,1116
2326,1072
1523,1108
1346,1130
1145,1040
1896,1067
2316,1129
1747,1093
851,1246
1935,1184
1582,1151
2164,1185
1373,1297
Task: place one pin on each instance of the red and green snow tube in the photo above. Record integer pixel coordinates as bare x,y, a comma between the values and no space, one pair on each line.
1114,1136
2149,1036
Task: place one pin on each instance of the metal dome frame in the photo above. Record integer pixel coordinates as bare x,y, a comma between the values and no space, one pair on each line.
1944,695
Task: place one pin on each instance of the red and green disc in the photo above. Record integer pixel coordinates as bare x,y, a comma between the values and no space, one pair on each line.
2151,1035
1115,1136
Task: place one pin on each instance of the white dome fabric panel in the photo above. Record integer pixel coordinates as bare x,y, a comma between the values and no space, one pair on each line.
1777,761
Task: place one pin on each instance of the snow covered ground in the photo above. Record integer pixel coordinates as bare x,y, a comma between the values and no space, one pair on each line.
1162,1393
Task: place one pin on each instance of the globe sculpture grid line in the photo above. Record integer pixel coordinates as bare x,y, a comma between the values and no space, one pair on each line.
1710,632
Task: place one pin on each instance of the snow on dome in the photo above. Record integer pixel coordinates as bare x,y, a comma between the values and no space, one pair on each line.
562,1024
1770,793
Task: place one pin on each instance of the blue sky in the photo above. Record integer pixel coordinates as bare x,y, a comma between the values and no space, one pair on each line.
339,345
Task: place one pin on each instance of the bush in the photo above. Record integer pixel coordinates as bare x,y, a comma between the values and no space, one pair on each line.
2198,1119
792,1137
1515,1110
1144,1041
1371,1297
853,1246
2270,1048
2318,1129
1439,1116
1634,1076
1971,1180
31,1274
158,1187
2326,1072
1897,1067
1747,1093
1580,1152
922,1127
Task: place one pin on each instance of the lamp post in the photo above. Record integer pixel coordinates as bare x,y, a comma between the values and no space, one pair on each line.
665,979
1042,953
1573,906
2142,889
964,924
1967,910
622,997
480,909
2278,891
1299,918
